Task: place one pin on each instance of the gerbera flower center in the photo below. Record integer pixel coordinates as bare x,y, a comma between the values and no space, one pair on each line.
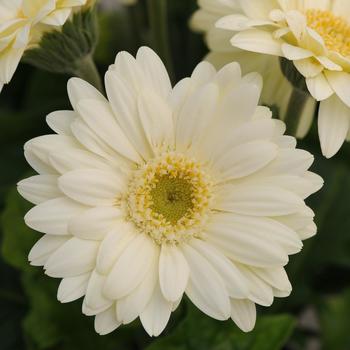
335,30
169,198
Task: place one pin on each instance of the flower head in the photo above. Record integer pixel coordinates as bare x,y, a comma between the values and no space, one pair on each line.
22,23
161,191
315,36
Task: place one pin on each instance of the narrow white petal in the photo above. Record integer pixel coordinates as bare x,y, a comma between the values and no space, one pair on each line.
106,322
132,306
131,267
156,315
235,282
173,272
154,70
294,52
94,299
94,223
60,122
260,291
243,314
257,41
259,200
52,216
276,277
99,117
340,82
44,247
73,288
206,288
39,188
79,89
73,258
92,186
245,159
113,246
247,240
319,87
333,125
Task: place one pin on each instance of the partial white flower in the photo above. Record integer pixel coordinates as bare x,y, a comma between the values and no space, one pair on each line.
277,89
22,23
159,192
315,36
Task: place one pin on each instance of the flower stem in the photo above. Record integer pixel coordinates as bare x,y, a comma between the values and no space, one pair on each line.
296,105
158,18
86,69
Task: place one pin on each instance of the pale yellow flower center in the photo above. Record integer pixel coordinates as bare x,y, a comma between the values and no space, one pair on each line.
169,197
334,30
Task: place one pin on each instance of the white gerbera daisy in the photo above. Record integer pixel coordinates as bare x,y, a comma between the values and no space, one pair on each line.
315,36
22,23
277,90
160,192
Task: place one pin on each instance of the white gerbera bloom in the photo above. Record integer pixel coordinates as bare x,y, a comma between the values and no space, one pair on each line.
277,90
22,23
315,36
158,192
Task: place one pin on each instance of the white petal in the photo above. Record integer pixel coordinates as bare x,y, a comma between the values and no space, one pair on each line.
71,159
245,159
79,89
94,223
124,104
73,288
99,117
235,282
319,87
73,258
333,125
154,70
195,116
156,314
308,68
92,186
276,277
260,291
131,306
113,246
43,248
257,8
340,82
106,322
243,314
94,299
156,118
247,240
131,267
39,188
294,52
60,122
257,41
259,200
57,17
52,216
205,288
173,272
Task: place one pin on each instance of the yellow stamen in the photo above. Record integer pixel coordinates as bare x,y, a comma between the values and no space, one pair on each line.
334,30
169,197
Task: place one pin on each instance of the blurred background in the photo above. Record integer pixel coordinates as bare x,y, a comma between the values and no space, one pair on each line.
315,316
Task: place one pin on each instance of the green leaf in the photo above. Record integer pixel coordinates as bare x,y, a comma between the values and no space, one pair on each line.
334,318
197,331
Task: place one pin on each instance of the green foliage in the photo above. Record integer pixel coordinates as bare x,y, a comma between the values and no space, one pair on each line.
198,331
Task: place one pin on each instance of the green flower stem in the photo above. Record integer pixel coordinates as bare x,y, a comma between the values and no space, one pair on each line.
158,18
296,105
86,69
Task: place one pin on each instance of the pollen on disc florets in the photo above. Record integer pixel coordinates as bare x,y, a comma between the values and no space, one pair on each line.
169,198
334,30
